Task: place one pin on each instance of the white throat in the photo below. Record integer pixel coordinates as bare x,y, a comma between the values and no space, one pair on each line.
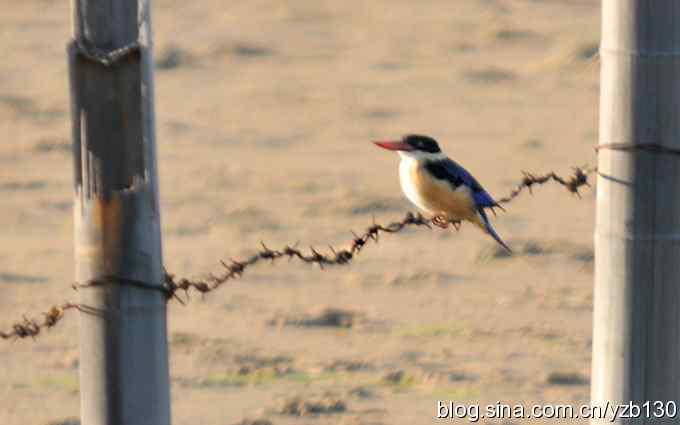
409,162
420,156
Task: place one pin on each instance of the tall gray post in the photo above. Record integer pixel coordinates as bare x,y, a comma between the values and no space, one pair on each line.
636,341
123,347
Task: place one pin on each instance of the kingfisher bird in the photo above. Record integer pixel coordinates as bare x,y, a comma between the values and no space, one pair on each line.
439,186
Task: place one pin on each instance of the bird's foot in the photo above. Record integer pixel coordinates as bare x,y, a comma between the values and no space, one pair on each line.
444,222
440,221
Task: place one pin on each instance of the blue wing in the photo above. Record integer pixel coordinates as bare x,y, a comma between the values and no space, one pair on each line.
456,175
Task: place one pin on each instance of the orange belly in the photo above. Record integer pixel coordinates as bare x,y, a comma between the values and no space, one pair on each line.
440,197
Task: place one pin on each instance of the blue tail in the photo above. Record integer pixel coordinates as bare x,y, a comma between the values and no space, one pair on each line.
490,230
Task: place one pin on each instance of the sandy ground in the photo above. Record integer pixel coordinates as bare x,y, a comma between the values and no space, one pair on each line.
265,110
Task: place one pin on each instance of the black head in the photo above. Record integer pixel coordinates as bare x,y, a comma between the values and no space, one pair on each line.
421,143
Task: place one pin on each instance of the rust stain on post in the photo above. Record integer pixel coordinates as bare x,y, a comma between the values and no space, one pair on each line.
117,235
98,227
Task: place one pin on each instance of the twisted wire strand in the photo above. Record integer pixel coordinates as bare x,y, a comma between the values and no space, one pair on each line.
31,328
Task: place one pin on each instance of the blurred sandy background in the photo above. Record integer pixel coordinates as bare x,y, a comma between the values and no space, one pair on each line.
265,110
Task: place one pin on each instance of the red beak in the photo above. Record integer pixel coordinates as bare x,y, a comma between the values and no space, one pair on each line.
394,145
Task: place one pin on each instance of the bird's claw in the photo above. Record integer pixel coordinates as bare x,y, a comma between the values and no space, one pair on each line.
440,221
443,222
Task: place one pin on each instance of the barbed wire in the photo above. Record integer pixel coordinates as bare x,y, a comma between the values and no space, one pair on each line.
26,327
573,183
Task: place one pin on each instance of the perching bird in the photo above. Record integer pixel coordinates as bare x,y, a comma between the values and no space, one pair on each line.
439,186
